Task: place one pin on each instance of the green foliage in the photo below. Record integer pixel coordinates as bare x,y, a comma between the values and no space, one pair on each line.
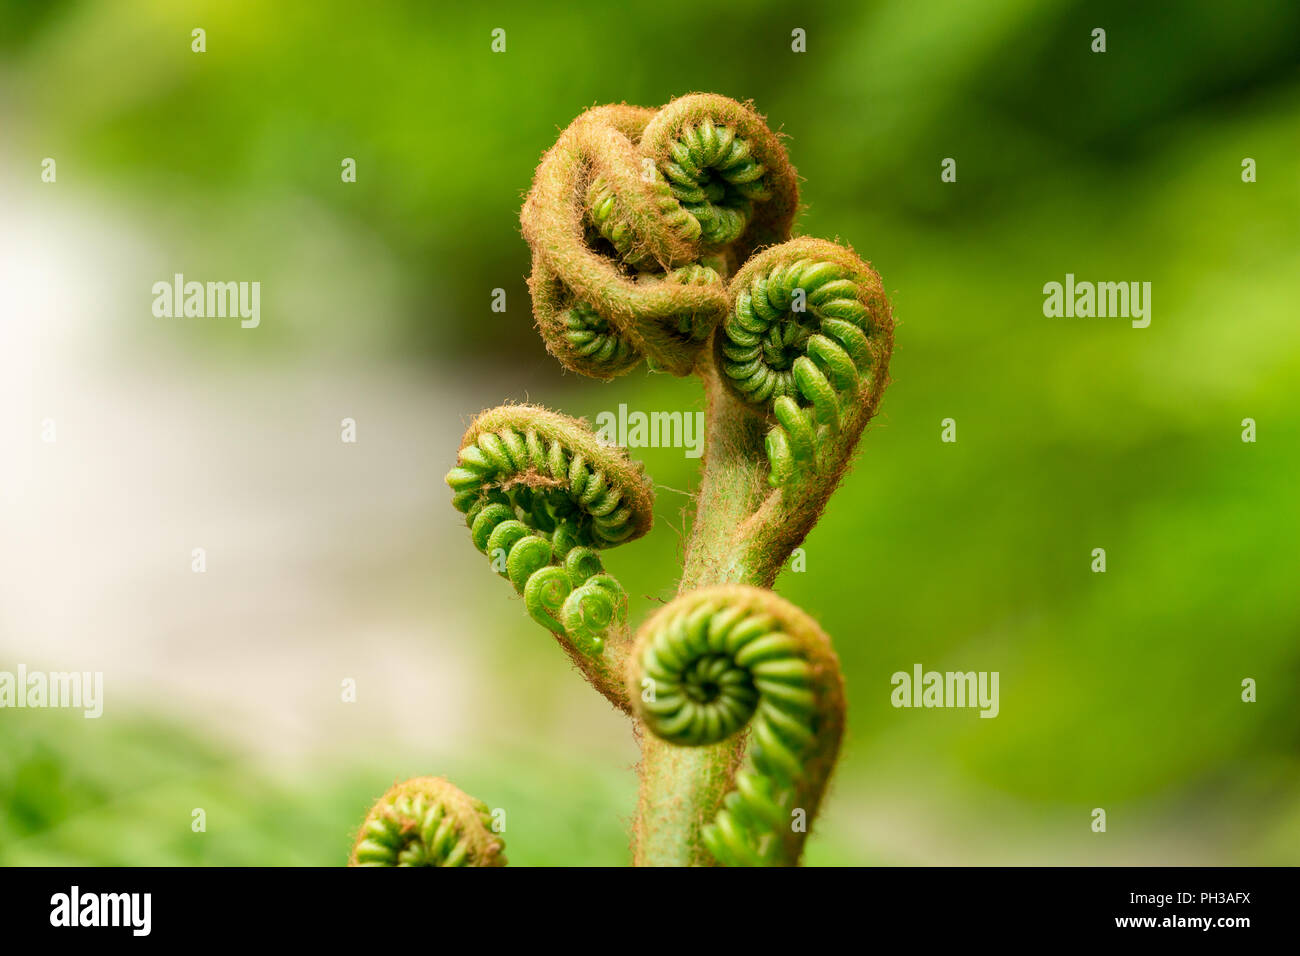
80,792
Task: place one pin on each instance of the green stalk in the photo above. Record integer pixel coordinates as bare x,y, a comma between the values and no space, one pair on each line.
682,787
733,485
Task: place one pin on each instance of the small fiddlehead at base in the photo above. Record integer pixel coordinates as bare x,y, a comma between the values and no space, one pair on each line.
722,659
428,822
637,216
806,343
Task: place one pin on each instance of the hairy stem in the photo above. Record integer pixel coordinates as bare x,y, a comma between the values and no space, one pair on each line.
682,787
607,673
681,790
733,486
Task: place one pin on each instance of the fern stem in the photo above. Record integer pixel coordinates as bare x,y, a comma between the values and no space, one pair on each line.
682,787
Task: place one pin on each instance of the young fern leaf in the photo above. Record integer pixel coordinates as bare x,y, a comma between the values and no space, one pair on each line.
428,822
727,169
636,217
722,659
806,343
797,370
542,496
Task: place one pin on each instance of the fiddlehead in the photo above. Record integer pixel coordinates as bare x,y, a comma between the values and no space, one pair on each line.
721,659
542,496
428,822
726,168
806,343
635,219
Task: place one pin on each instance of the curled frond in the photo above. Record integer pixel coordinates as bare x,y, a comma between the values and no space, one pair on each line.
806,343
428,822
634,217
721,660
542,496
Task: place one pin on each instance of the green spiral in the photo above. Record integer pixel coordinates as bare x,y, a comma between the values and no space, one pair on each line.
428,822
726,168
721,659
807,341
716,180
591,338
542,495
635,217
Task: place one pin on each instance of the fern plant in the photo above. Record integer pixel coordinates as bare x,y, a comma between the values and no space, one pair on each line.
663,236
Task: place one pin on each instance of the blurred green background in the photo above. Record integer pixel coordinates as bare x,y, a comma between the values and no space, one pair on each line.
330,561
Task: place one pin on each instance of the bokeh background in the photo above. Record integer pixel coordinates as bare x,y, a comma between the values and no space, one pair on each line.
329,561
